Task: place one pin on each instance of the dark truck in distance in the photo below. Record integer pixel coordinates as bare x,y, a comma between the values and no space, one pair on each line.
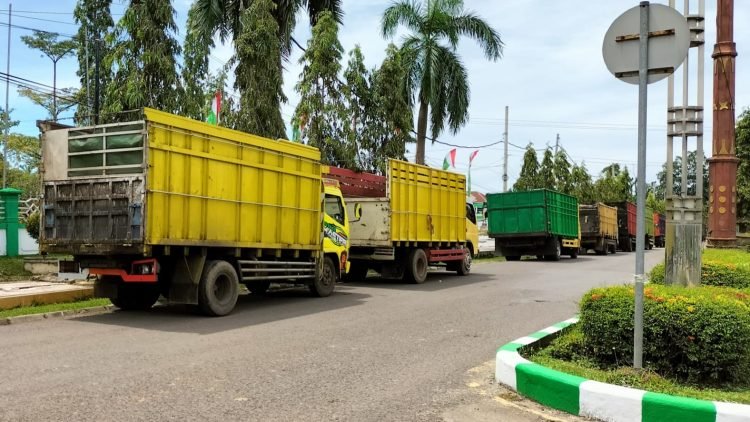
541,223
660,229
598,228
626,223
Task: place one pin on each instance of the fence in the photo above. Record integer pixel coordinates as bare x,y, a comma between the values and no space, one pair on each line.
14,239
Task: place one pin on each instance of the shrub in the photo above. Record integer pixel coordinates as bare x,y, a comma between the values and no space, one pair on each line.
720,267
694,335
32,226
568,347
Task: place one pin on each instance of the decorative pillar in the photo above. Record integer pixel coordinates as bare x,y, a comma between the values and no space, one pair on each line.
722,167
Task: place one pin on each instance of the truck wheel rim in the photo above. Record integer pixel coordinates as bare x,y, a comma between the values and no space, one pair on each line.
467,260
222,288
327,278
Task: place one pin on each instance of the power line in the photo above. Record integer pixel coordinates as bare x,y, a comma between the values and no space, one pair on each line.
26,28
44,20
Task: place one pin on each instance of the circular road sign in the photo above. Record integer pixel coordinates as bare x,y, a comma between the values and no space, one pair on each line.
669,41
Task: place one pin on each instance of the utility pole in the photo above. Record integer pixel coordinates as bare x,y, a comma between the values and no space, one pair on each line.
505,153
722,166
557,144
97,61
684,226
7,112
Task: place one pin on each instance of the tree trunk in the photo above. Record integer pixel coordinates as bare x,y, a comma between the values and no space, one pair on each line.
421,131
54,91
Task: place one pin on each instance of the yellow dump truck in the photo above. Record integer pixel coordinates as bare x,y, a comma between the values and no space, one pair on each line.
413,218
174,207
598,228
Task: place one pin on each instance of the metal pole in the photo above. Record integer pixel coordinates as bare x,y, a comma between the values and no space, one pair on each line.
96,79
641,187
7,112
505,153
685,90
699,158
557,144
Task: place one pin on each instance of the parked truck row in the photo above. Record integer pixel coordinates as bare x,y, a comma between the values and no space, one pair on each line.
548,224
168,206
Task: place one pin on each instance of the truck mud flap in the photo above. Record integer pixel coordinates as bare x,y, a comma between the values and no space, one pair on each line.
183,286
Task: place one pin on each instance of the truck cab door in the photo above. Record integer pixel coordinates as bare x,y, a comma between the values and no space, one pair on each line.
472,231
336,229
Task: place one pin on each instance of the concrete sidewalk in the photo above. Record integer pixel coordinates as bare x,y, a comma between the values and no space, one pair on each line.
26,293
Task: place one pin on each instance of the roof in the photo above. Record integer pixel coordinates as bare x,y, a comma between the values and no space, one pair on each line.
478,197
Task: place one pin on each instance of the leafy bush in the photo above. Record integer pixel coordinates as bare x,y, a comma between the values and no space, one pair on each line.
569,346
694,335
32,225
720,267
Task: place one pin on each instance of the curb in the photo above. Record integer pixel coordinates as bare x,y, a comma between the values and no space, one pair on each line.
56,314
593,399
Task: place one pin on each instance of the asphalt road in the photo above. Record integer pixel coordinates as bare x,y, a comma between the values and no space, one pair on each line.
374,351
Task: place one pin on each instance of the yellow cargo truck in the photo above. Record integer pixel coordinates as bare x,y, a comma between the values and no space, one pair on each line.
414,217
598,228
174,207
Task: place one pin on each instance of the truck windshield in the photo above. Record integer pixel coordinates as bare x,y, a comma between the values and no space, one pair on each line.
334,208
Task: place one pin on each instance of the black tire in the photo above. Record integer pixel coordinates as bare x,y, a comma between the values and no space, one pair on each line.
574,254
416,266
598,252
463,267
218,288
357,272
323,285
259,287
135,297
557,253
513,258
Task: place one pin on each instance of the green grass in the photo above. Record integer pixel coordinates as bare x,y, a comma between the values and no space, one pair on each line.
491,258
629,377
739,257
42,309
11,268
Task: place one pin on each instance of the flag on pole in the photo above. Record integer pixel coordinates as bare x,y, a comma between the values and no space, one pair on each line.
468,181
450,159
213,115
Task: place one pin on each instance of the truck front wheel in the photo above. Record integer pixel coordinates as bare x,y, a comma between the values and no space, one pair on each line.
462,267
416,266
324,284
218,288
556,250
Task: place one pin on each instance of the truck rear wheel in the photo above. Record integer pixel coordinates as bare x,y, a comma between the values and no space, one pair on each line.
323,285
416,266
135,297
218,288
557,251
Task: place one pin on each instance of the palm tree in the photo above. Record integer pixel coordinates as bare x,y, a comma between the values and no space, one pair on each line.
436,74
223,17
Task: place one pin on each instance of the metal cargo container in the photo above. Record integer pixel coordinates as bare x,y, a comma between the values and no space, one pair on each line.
626,223
660,229
536,212
539,222
168,181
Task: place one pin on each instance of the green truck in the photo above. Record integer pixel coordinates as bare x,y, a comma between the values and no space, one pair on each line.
541,223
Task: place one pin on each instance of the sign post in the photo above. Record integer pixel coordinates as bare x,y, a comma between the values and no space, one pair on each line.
663,40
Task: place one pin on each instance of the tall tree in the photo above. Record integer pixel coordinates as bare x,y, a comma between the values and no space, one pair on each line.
321,112
55,50
195,72
563,174
743,171
529,177
394,122
661,188
95,23
614,184
258,75
144,57
582,186
361,112
437,77
65,99
225,18
547,171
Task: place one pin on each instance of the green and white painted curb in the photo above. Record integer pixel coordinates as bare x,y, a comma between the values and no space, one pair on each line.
598,400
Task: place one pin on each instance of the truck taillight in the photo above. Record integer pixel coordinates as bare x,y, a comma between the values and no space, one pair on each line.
145,267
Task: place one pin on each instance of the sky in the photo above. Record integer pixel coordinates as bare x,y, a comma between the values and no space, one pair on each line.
551,76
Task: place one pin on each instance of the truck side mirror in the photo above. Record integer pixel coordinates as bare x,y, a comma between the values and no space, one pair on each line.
357,212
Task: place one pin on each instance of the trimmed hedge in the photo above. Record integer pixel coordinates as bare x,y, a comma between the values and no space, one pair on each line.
692,335
725,268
